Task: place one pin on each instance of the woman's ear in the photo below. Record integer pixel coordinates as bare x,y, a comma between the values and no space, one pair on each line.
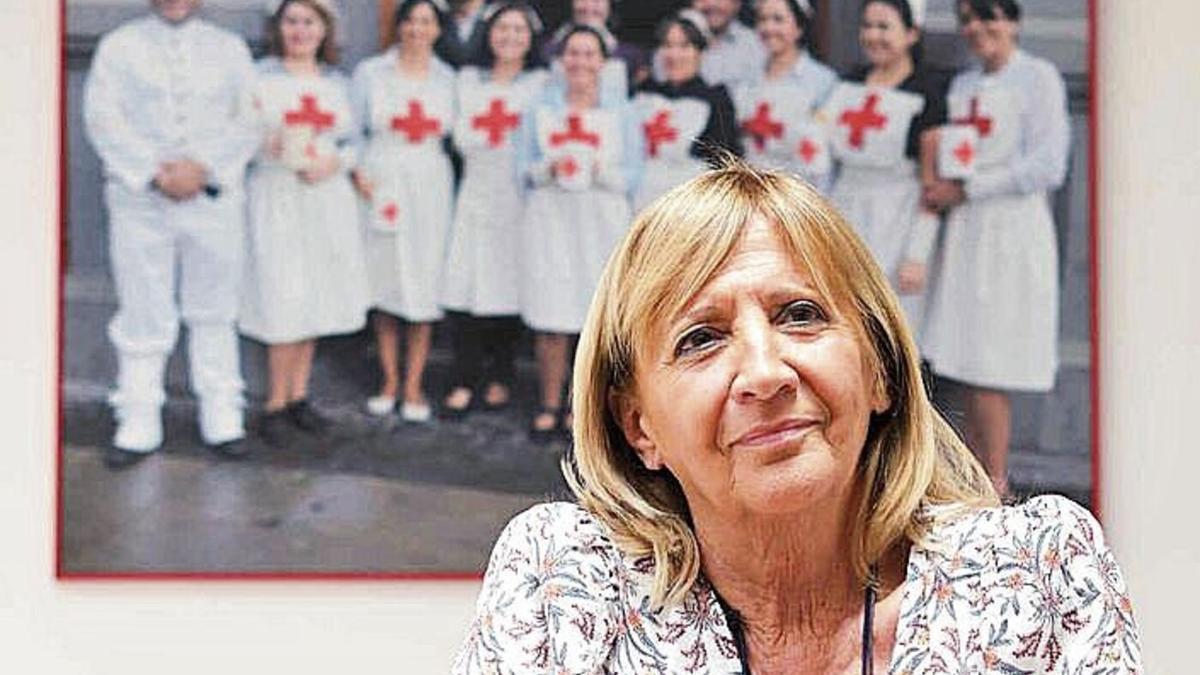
628,413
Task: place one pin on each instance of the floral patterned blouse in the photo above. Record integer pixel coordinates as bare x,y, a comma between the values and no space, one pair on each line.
1011,590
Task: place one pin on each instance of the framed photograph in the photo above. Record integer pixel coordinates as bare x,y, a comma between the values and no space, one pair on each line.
375,496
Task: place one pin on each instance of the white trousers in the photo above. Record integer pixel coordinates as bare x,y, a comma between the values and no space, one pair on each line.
171,260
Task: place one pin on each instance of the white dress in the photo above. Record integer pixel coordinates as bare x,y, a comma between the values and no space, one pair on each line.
778,125
669,128
1025,589
407,223
993,309
304,265
573,222
876,187
483,268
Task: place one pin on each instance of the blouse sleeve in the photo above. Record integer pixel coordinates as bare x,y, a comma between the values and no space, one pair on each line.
1095,617
532,168
625,176
1041,164
349,138
548,599
360,104
128,152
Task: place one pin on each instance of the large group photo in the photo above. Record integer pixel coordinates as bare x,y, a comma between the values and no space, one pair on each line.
335,272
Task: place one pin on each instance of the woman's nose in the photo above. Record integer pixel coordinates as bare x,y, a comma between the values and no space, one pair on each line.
763,372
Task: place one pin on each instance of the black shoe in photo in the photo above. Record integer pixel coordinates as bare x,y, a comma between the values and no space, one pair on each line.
306,418
116,459
275,428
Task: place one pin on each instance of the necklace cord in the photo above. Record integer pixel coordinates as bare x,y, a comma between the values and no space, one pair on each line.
734,621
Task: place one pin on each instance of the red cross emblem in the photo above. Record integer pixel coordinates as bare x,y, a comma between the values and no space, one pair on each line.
496,122
808,150
575,132
983,124
761,126
568,167
861,120
965,153
390,212
659,131
309,114
416,126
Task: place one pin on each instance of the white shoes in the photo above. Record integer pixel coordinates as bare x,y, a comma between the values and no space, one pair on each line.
418,413
139,428
381,406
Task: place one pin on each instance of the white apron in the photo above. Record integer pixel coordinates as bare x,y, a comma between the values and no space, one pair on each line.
571,225
669,127
407,222
304,265
877,188
483,267
993,315
780,132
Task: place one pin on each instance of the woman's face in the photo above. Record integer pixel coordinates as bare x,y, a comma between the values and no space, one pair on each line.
680,58
993,40
302,30
582,59
718,13
883,36
777,26
590,12
510,37
420,30
175,11
757,397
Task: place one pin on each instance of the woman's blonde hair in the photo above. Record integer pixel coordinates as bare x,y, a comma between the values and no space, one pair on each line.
912,458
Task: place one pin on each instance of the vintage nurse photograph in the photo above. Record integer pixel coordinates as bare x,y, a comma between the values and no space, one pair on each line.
330,268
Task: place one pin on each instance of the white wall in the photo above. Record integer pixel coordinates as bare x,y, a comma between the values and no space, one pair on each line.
1150,358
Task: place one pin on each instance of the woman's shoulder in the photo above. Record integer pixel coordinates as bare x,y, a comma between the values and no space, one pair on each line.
970,529
1032,586
374,63
551,583
560,524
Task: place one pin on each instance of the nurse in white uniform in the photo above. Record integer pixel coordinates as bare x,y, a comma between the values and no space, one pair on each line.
404,99
686,124
775,108
161,108
483,269
993,314
877,117
581,156
305,274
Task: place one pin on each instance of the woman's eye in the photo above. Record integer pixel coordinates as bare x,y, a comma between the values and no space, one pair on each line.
695,340
803,312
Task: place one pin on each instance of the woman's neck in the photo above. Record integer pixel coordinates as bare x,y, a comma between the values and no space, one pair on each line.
792,582
414,61
781,63
506,71
582,97
1000,59
301,65
891,74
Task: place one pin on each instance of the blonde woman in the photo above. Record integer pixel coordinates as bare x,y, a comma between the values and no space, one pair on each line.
764,487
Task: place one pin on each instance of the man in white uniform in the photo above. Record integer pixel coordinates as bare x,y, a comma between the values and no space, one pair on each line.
161,106
735,54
